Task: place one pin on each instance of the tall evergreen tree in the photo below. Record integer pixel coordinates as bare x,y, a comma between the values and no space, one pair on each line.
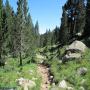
27,32
1,20
87,26
9,28
56,35
36,28
25,9
79,15
74,19
37,34
28,38
64,33
19,28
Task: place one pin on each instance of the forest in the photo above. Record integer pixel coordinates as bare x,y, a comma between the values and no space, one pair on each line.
59,59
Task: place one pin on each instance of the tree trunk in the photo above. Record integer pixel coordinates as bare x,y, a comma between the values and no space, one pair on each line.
20,59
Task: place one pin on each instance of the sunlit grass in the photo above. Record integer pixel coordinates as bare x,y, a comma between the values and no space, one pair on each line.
12,71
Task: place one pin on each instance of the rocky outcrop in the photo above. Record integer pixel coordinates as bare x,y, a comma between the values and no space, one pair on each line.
77,46
74,51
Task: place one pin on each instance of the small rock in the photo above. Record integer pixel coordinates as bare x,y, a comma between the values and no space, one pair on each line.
51,77
69,88
48,69
25,83
72,56
63,84
79,34
53,84
20,81
82,88
82,71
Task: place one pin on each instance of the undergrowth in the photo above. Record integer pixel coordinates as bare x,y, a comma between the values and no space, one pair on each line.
68,71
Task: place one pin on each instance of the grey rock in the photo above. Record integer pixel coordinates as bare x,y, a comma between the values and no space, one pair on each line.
82,88
25,83
51,77
74,51
72,56
63,84
53,84
77,45
70,88
82,71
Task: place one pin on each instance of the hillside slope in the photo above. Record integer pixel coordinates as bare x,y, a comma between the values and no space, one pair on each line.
69,70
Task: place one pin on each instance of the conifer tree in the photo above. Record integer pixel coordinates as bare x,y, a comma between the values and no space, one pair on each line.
37,36
19,28
1,20
87,26
9,28
73,20
25,9
80,17
56,34
28,37
64,32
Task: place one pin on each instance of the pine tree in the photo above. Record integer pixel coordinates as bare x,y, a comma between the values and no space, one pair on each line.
9,29
80,17
1,20
87,26
25,9
64,32
76,16
29,37
47,38
42,40
19,28
37,36
73,20
56,35
28,34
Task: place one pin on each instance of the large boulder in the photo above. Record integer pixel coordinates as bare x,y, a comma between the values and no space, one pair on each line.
74,51
77,45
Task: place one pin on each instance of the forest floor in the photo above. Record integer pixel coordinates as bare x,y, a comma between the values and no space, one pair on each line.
43,71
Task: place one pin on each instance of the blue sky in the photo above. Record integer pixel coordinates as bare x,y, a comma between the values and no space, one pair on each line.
47,12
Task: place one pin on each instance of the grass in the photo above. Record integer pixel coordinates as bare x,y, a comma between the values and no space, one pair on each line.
11,72
68,71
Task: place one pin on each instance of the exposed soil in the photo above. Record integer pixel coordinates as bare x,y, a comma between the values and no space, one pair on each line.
43,71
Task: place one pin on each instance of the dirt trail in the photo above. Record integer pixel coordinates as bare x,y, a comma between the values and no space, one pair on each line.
43,71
